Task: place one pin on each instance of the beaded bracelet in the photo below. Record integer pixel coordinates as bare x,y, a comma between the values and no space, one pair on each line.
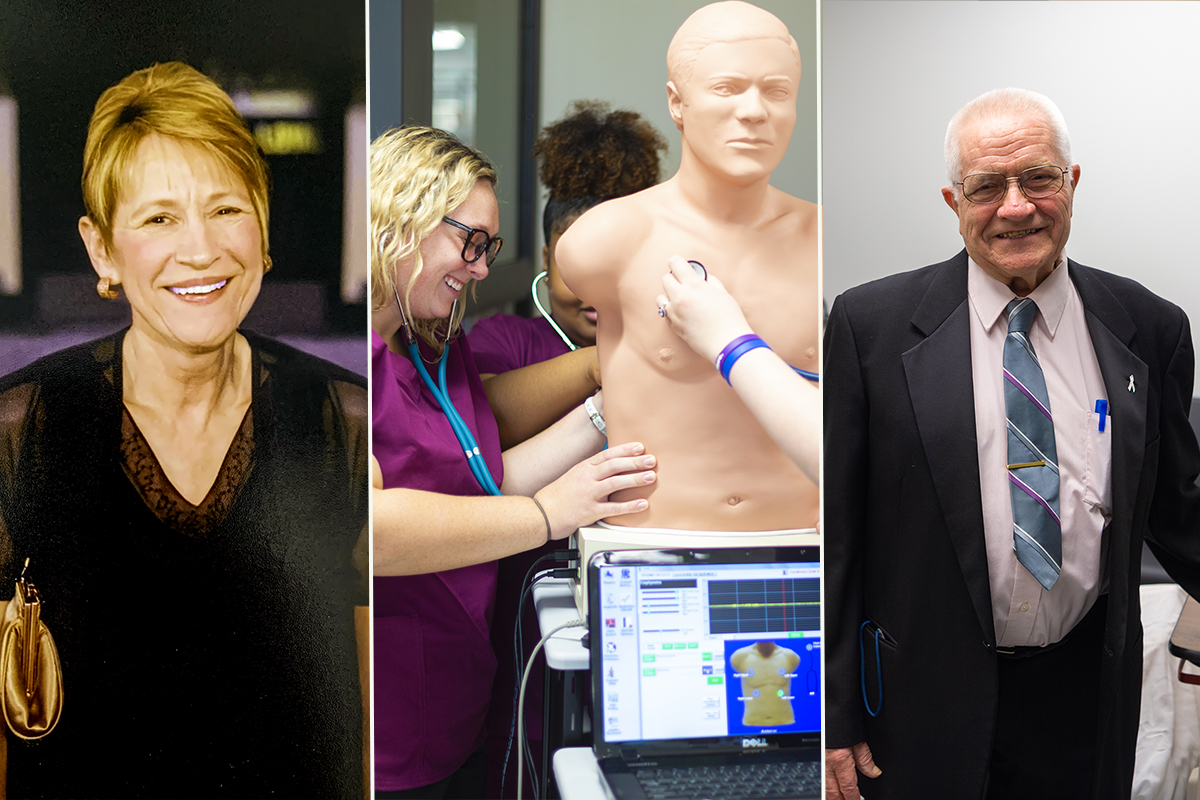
735,350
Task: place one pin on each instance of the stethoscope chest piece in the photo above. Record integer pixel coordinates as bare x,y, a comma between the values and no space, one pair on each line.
700,270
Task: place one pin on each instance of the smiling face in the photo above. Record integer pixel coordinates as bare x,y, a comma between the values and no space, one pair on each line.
1017,241
576,319
186,246
738,108
444,274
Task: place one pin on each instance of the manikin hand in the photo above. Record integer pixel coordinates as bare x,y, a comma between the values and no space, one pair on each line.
841,782
580,496
702,312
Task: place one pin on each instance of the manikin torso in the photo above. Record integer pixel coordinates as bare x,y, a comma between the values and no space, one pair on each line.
717,468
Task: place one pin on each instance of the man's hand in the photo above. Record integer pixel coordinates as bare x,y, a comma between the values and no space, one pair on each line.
841,782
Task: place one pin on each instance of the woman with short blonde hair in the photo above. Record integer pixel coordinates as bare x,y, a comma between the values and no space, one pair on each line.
191,496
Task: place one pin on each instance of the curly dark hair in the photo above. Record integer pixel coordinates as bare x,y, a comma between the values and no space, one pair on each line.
592,155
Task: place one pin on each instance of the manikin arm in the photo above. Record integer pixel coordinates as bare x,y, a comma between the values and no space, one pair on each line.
417,532
527,400
707,317
589,255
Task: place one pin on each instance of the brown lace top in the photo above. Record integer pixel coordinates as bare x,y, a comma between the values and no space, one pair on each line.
164,500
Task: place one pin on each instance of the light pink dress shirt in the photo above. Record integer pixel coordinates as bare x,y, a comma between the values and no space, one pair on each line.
1024,612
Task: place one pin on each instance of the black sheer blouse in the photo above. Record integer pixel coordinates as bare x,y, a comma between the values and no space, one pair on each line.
207,651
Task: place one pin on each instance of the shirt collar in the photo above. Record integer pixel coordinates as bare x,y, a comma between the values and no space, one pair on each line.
989,297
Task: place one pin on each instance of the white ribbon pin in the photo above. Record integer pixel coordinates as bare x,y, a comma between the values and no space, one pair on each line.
1132,388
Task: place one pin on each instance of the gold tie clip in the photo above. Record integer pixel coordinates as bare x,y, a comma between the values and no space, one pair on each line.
1030,464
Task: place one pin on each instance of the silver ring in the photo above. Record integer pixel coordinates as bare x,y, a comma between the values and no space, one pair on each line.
662,311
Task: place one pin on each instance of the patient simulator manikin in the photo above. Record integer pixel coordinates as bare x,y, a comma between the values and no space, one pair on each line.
733,75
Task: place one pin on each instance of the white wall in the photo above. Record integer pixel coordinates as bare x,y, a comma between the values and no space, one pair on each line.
1125,74
616,51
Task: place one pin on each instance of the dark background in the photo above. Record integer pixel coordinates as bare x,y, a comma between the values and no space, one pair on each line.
58,57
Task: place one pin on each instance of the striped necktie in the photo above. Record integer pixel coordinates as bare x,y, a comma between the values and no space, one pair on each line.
1032,458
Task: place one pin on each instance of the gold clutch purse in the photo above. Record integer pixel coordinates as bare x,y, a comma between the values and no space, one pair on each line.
33,692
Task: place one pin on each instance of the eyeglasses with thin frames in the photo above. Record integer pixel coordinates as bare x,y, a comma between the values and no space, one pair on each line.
474,247
1036,183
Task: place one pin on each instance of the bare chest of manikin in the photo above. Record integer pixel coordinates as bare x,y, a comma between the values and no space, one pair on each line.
771,273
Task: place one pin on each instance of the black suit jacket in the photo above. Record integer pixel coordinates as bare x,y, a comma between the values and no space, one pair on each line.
903,520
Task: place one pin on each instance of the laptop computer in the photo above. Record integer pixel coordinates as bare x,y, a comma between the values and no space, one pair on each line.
706,672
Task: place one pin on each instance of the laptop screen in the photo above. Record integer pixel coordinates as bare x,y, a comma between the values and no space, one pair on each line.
714,645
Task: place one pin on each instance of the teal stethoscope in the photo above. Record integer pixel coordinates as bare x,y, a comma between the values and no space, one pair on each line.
466,439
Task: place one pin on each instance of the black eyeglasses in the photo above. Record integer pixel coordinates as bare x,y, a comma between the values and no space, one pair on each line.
985,188
477,243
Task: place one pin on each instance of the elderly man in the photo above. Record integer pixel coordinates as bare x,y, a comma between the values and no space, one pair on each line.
1002,430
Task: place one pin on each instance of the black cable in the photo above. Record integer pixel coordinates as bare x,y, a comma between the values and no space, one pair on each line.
526,585
529,760
519,642
518,639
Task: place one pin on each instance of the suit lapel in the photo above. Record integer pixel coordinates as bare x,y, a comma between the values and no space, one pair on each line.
1112,332
940,387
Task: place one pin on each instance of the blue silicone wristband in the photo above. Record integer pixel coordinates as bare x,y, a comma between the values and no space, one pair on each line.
738,352
728,349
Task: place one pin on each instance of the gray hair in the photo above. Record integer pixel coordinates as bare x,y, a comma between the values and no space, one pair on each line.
999,102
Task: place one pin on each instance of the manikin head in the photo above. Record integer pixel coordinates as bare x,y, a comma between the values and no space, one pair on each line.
1019,138
733,72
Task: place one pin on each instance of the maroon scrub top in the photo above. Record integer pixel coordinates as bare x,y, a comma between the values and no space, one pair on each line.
505,342
433,664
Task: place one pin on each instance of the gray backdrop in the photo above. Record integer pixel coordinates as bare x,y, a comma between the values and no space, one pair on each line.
1124,74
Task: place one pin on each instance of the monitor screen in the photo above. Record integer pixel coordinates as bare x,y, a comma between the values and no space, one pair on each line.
708,650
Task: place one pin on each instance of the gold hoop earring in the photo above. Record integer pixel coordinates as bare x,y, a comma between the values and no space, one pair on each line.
267,264
105,290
